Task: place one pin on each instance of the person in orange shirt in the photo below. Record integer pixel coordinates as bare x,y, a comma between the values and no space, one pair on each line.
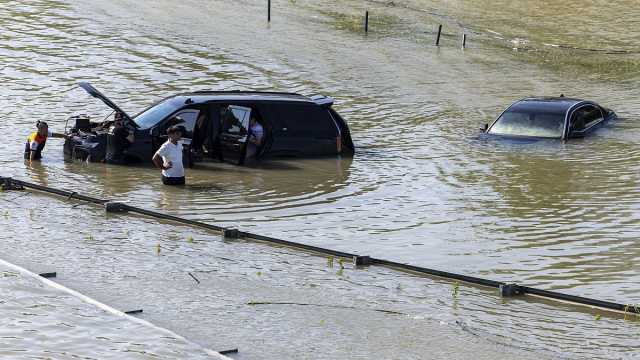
36,141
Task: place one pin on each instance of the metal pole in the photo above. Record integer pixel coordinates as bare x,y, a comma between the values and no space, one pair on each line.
268,10
438,37
366,21
464,40
510,289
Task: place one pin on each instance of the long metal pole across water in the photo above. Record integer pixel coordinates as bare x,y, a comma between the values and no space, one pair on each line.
507,289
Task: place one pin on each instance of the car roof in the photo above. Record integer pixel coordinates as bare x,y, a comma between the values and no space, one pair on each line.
205,96
558,105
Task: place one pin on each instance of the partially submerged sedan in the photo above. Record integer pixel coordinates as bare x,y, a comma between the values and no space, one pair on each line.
217,127
549,117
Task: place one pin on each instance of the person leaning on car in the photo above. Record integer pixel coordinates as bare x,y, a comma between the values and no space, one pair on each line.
119,142
37,140
169,157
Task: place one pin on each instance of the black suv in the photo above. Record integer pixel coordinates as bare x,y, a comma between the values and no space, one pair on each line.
217,127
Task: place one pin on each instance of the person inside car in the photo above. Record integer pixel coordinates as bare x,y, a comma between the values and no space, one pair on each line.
37,140
169,157
256,138
199,138
120,138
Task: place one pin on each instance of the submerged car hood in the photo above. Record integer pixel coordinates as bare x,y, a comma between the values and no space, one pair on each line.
97,94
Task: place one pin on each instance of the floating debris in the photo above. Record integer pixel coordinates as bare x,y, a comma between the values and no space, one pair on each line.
194,278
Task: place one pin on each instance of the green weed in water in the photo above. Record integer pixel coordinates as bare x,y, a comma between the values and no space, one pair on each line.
259,273
598,316
341,263
456,289
158,249
330,261
190,239
89,237
6,214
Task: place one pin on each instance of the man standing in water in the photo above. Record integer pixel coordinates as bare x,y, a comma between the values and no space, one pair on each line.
169,157
36,141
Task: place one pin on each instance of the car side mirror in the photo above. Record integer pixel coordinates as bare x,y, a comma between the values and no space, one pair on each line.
484,127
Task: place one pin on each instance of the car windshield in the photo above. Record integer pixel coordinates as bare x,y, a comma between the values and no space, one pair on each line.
154,114
535,124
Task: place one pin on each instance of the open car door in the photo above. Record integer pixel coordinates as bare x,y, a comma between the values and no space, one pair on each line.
233,139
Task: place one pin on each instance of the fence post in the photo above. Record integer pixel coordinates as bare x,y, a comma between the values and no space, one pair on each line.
438,37
464,40
268,10
366,21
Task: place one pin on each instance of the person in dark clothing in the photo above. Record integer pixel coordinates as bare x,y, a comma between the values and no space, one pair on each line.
118,141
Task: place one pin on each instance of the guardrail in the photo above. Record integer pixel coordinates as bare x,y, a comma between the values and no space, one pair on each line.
505,289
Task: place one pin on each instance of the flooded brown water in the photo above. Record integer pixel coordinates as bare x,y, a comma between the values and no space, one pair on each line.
421,188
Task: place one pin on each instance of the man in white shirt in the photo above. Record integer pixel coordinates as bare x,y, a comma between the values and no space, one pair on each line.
169,158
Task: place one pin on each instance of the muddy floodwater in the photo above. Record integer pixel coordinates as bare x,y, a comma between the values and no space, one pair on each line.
421,188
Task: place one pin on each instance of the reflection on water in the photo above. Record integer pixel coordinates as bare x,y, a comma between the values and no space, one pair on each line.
421,188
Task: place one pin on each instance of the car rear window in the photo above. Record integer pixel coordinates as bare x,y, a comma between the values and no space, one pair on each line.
534,124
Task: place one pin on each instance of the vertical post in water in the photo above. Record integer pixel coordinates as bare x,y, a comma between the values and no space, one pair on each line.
438,37
268,10
366,21
464,40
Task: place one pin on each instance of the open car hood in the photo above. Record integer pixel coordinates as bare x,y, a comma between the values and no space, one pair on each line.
97,94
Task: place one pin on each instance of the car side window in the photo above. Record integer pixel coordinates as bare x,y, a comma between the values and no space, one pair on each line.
189,117
585,117
306,120
593,116
235,119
